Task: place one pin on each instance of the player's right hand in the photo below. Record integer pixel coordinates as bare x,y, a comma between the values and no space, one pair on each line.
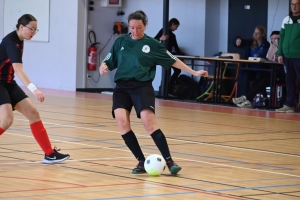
103,69
280,59
238,42
39,95
203,73
164,37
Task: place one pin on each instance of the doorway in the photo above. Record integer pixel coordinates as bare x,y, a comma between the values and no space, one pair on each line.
244,16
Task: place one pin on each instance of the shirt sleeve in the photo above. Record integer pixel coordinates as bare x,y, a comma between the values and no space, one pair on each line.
14,51
265,50
164,58
281,38
111,58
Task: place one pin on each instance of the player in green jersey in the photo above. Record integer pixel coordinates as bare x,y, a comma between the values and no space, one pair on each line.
135,56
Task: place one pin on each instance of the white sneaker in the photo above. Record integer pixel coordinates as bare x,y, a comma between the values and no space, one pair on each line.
285,109
245,104
239,100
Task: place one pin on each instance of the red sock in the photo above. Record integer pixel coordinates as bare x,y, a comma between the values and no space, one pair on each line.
41,136
1,131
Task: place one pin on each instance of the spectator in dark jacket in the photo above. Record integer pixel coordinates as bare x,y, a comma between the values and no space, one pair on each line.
259,85
258,47
172,44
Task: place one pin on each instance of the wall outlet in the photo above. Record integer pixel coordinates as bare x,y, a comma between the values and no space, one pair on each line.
88,76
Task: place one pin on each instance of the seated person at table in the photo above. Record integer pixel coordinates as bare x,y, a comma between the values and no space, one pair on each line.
256,47
259,85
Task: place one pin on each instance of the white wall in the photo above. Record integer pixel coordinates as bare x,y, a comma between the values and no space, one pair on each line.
277,10
1,17
61,62
53,64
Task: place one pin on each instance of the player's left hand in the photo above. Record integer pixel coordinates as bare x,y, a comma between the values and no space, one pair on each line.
201,73
103,69
39,95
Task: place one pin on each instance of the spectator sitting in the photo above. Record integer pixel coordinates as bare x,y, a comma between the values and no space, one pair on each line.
259,85
256,47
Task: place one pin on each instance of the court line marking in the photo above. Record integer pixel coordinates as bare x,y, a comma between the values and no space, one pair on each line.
232,166
253,188
168,107
191,160
87,192
186,141
145,196
78,160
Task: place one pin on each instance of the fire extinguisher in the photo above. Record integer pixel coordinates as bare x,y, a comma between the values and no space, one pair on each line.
92,56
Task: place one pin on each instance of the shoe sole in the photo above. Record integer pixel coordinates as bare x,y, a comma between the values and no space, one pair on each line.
235,102
138,172
175,170
290,111
249,107
240,106
55,161
285,111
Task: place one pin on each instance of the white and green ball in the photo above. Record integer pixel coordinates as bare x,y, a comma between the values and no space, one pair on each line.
154,164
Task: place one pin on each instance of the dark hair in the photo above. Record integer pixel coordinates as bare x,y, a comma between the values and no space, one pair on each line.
138,15
173,21
25,19
275,33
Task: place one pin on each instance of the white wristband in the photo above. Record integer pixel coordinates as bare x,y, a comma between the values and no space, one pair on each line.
31,87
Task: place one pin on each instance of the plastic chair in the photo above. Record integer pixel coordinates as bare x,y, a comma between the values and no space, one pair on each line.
225,97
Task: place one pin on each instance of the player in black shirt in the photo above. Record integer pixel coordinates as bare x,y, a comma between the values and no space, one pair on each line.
12,97
135,56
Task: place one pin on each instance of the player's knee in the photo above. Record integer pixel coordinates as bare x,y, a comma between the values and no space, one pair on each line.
122,123
6,123
150,127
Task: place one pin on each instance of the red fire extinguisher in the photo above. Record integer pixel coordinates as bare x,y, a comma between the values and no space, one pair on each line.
92,56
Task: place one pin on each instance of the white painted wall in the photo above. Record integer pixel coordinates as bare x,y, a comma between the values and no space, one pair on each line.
61,62
53,64
1,19
277,10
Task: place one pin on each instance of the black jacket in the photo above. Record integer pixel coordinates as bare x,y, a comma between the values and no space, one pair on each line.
172,42
246,45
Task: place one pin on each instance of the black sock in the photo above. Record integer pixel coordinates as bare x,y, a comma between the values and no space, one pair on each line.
133,145
161,143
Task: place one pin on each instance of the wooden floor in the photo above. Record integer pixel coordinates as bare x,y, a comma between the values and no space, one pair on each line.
227,153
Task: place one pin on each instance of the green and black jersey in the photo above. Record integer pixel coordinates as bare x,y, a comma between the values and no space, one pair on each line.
137,59
289,42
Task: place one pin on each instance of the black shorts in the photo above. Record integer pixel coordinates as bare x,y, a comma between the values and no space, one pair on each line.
134,93
11,93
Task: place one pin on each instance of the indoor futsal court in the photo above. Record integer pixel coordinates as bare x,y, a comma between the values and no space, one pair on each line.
226,153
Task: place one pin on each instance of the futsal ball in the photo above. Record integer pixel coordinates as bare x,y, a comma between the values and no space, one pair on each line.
155,164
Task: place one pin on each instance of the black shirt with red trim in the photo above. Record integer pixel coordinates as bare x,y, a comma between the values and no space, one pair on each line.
11,50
